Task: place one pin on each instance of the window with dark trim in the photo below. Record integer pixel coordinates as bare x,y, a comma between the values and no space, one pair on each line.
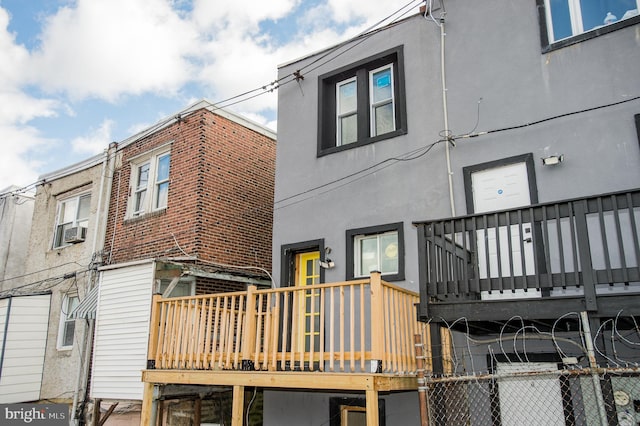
565,22
362,103
376,248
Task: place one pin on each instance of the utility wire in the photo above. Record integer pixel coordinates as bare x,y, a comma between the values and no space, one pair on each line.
533,123
264,89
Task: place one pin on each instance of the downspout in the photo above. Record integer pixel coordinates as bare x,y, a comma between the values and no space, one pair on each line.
445,110
87,342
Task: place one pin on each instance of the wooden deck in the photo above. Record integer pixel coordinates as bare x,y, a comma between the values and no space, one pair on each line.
353,336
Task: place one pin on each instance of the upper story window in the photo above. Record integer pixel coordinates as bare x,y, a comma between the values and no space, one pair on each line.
566,22
67,328
72,220
362,103
377,248
150,183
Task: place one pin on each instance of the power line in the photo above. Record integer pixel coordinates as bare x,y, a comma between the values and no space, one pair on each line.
533,123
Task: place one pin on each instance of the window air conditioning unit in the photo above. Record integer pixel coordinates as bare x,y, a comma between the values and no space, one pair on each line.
77,234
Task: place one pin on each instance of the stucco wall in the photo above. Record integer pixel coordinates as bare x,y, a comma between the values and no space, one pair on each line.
62,270
15,224
492,54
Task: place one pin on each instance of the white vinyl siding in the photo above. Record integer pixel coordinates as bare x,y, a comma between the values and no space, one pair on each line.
122,331
24,347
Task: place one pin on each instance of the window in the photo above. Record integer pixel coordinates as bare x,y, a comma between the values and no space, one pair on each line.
569,21
67,329
377,248
72,213
150,184
362,103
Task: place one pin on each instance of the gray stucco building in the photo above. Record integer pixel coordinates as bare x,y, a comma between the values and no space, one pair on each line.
465,109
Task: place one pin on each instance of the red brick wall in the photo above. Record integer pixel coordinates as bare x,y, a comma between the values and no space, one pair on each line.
220,203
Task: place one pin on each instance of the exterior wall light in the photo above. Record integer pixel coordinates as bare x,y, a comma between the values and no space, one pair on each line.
552,160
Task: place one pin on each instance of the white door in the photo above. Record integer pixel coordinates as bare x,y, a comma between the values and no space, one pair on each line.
500,188
530,401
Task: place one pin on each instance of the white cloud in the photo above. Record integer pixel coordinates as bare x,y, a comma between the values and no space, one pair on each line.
113,50
96,141
13,57
17,163
109,48
239,16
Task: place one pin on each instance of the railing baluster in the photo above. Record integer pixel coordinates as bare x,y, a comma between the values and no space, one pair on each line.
363,323
241,330
312,327
322,296
332,333
386,365
547,244
536,248
286,341
485,232
274,327
260,328
510,251
475,260
208,352
523,261
634,229
616,217
563,278
352,329
500,282
605,243
341,311
464,261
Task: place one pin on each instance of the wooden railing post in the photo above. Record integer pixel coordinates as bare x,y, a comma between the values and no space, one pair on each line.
154,330
250,326
377,322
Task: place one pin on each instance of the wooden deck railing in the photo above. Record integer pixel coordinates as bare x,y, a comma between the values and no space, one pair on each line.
355,326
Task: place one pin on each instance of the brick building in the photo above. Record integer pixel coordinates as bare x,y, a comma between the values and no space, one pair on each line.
190,212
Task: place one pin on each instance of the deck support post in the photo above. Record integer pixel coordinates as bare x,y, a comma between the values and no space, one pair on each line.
237,408
147,414
372,408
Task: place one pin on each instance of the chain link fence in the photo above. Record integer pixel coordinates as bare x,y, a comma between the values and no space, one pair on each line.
511,396
521,373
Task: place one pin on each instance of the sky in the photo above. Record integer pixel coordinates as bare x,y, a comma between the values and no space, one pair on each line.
76,75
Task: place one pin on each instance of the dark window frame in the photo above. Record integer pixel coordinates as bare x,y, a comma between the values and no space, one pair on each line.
327,101
548,46
374,230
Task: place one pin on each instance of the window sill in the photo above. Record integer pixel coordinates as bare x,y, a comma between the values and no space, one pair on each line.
596,32
364,142
145,216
